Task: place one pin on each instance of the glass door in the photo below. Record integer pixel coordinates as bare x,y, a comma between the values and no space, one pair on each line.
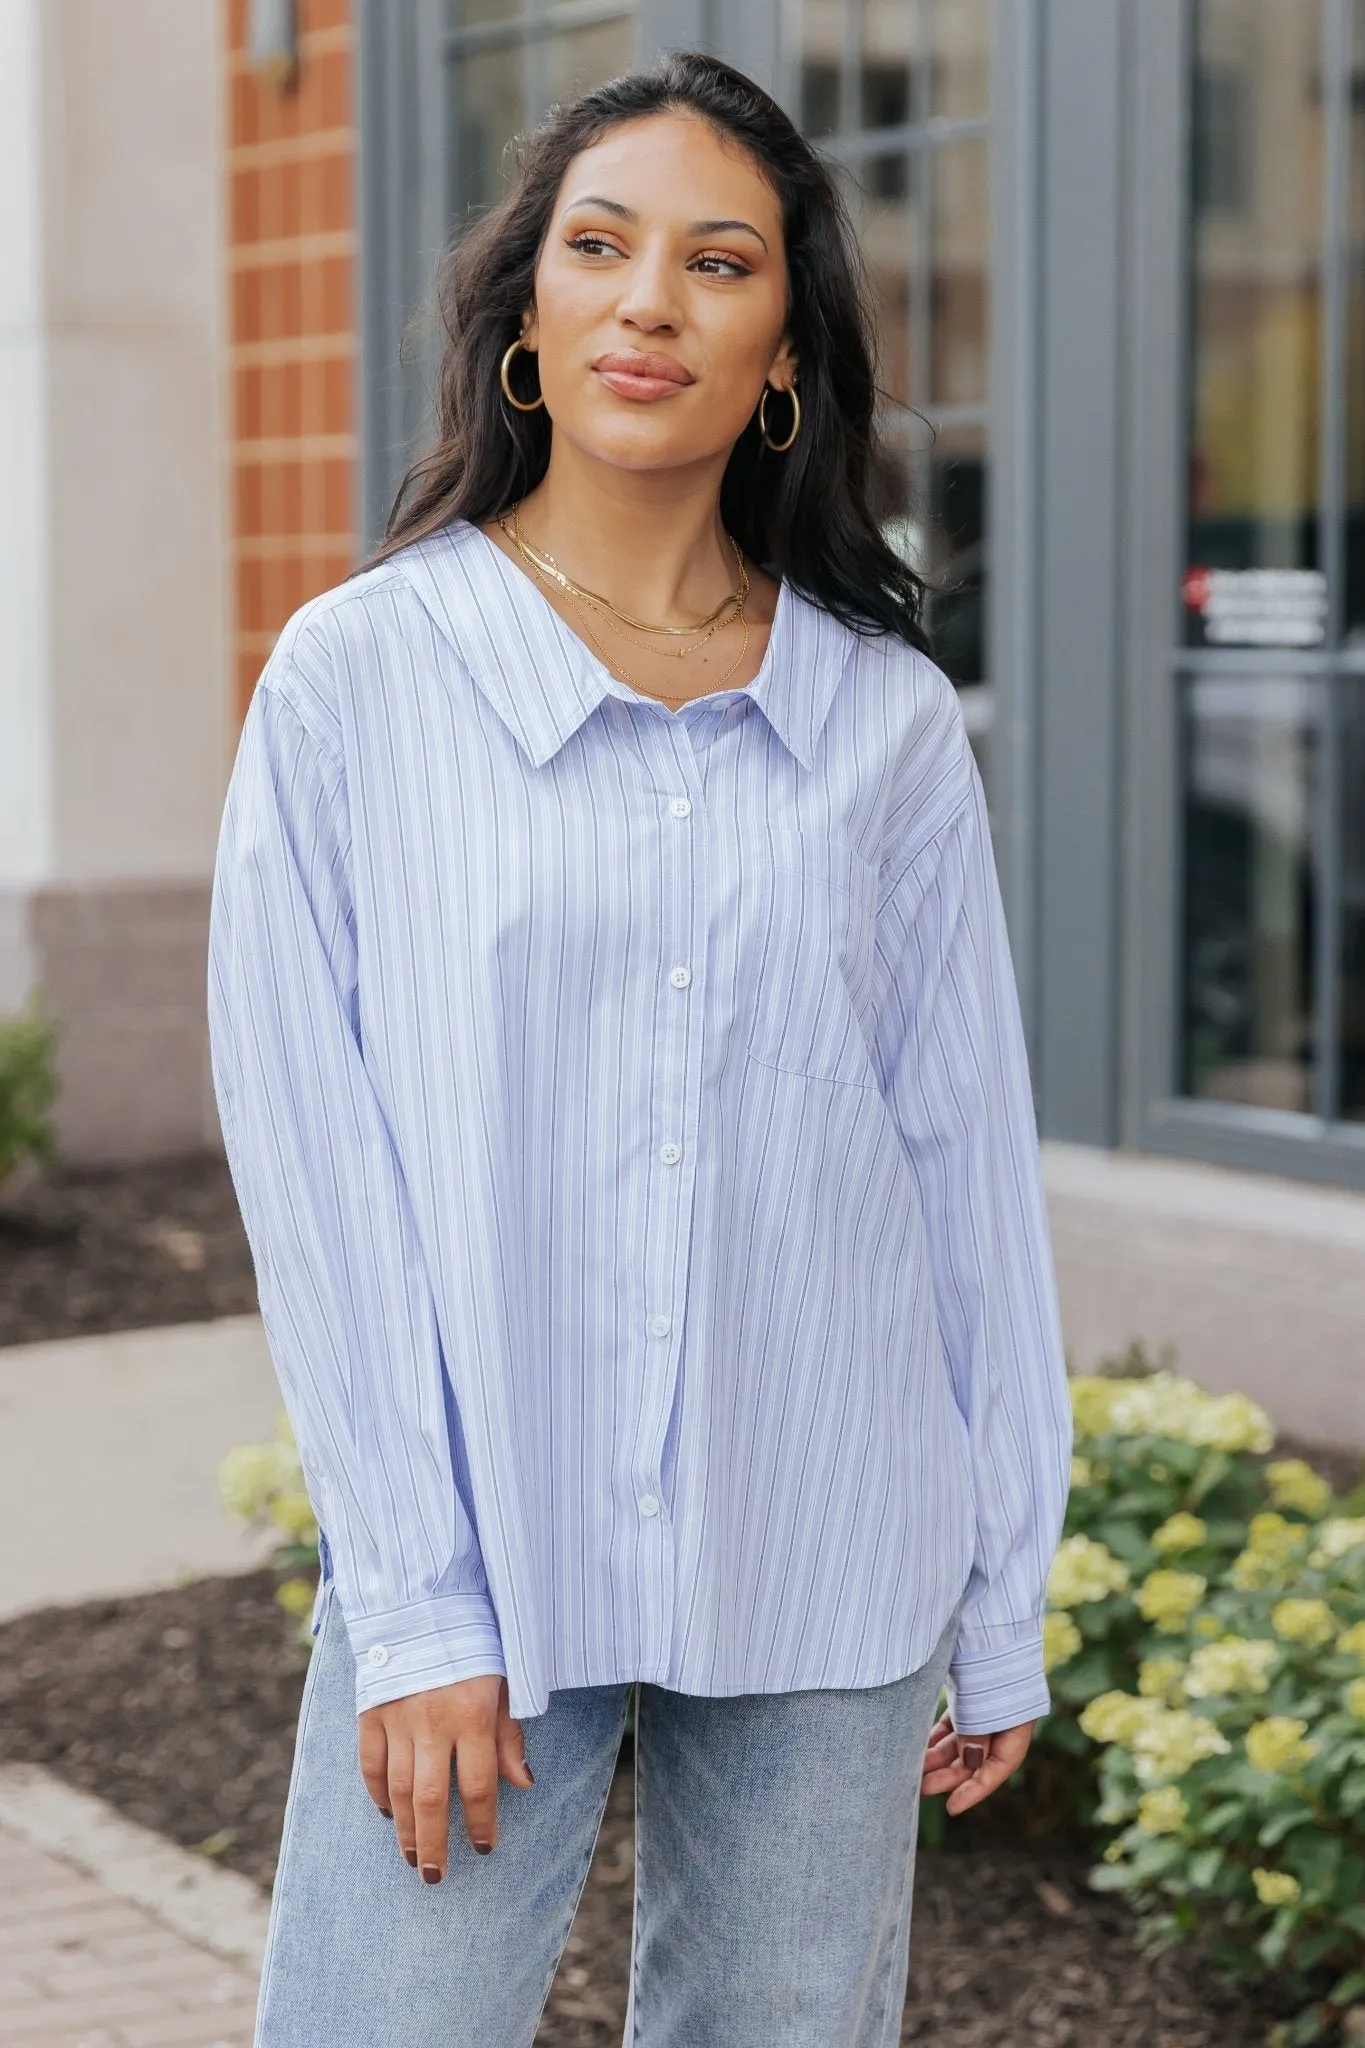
1271,660
897,93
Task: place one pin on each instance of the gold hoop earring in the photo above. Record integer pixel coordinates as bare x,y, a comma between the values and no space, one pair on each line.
521,404
778,447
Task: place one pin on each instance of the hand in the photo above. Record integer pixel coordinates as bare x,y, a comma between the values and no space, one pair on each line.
970,1767
405,1752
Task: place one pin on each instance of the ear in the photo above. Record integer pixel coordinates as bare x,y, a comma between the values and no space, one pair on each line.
530,330
782,369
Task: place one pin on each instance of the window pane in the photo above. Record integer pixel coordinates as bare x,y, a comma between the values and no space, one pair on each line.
960,57
957,552
1249,773
885,87
1256,310
583,57
477,13
1355,346
1352,744
490,98
961,269
822,49
887,219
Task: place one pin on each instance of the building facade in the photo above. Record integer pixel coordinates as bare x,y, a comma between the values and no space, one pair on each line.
1118,254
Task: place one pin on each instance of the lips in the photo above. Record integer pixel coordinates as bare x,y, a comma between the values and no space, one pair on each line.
632,373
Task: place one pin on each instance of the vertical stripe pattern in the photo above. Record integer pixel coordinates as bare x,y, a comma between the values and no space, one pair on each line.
631,1120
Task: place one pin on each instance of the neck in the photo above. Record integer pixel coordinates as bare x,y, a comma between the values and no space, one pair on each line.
651,541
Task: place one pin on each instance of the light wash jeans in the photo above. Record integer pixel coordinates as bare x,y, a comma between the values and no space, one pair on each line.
775,1843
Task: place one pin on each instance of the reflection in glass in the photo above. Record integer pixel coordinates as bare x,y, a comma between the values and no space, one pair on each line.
957,553
959,58
1352,759
961,271
490,96
1249,773
1256,298
581,57
1355,343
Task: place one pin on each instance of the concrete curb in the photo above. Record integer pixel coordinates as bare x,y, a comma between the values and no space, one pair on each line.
218,1910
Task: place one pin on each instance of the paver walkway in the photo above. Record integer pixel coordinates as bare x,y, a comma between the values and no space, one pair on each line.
81,1968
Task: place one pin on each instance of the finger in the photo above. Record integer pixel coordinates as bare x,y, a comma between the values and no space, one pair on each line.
932,1783
374,1760
476,1772
511,1745
401,1767
974,1750
431,1804
980,1785
944,1751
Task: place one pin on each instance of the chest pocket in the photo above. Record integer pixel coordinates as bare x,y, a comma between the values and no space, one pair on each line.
808,957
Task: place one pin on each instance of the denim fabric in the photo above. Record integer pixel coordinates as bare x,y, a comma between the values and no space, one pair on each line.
775,1837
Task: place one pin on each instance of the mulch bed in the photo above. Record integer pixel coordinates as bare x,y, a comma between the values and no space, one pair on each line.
179,1709
82,1253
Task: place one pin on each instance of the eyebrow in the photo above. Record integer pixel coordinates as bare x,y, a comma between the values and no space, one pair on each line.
698,227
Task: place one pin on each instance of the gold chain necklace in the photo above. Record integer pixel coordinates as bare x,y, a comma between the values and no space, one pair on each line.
550,567
616,665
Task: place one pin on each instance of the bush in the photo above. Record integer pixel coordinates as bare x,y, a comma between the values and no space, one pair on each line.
262,1484
28,1089
1206,1630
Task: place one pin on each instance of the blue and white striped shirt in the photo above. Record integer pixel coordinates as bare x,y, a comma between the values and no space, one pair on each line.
631,1119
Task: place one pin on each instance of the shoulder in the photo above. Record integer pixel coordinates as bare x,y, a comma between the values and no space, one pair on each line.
346,638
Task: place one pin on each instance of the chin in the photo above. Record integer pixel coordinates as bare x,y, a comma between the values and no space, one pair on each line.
646,441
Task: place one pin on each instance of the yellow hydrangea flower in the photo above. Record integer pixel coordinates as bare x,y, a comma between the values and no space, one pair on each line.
1208,1626
292,1514
1113,1852
251,1474
1231,1665
1275,1887
1303,1621
1163,1812
1277,1743
1336,1537
1116,1717
1061,1640
1167,1599
1180,1532
295,1597
1355,1698
1171,1741
1084,1570
1272,1548
1352,1642
1164,1404
1294,1484
1160,1678
1082,1471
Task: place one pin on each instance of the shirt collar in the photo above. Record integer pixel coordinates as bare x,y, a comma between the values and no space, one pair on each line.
544,682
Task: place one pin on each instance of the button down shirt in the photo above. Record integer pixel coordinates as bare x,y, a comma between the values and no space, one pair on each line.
631,1119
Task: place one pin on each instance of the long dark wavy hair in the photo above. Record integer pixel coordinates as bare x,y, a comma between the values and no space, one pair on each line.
808,514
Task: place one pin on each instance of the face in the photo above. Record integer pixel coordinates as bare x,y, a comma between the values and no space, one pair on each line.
661,296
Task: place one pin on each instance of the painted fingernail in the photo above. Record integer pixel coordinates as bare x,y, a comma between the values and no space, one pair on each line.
484,1848
529,1772
411,1855
387,1812
973,1755
431,1873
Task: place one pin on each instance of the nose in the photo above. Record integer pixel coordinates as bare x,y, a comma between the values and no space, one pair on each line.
649,298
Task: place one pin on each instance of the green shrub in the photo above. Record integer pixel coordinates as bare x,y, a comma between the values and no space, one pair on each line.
262,1484
28,1089
1206,1630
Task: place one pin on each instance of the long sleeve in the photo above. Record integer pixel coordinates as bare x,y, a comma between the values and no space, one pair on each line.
951,1048
344,1293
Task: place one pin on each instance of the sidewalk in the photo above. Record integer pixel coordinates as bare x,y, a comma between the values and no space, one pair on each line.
119,1953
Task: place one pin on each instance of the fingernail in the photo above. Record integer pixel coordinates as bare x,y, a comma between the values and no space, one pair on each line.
387,1812
411,1855
973,1755
484,1848
431,1873
529,1772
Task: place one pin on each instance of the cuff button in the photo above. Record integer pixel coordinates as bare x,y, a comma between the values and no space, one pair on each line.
377,1654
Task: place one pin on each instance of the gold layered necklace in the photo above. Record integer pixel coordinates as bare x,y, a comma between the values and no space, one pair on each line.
546,569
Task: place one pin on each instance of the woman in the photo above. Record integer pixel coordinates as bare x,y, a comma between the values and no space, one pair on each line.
621,1071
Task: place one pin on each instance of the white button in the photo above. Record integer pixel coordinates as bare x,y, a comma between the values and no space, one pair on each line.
681,807
670,1154
649,1506
377,1654
680,976
659,1326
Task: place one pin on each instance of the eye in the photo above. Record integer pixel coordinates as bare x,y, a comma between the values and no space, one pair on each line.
593,245
719,265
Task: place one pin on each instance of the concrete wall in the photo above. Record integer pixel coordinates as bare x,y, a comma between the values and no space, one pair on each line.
115,711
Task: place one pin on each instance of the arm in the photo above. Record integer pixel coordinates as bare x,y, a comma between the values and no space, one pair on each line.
951,1048
344,1294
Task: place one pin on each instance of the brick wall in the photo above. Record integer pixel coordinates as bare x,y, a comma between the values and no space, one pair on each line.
292,256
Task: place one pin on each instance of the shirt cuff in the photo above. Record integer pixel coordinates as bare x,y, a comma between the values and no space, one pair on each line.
413,1649
990,1689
